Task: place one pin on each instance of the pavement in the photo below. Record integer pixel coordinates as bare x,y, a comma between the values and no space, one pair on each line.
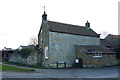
107,72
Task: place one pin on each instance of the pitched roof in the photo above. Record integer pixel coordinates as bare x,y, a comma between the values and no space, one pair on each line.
116,36
89,49
71,29
111,41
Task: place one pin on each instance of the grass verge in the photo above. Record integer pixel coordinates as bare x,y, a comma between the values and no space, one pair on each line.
11,68
0,67
23,65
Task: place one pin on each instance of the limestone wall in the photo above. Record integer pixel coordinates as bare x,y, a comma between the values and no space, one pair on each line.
88,60
43,41
62,47
30,60
105,60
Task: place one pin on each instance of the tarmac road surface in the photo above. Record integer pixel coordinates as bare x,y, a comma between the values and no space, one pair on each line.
109,72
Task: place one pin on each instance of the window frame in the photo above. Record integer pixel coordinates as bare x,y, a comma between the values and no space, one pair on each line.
97,53
46,52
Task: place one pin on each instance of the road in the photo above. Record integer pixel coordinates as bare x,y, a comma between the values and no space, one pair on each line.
109,72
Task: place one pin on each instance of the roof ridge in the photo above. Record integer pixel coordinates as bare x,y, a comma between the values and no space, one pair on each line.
67,24
71,29
117,36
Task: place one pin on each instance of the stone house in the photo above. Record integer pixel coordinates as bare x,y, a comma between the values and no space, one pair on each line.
112,41
71,44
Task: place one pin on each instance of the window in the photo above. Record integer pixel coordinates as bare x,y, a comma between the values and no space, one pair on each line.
41,35
41,38
97,53
41,31
46,52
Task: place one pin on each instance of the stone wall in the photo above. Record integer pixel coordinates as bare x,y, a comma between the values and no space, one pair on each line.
88,60
30,60
112,39
43,38
62,47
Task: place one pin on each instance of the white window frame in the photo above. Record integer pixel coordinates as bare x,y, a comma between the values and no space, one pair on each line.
41,31
97,53
41,38
46,52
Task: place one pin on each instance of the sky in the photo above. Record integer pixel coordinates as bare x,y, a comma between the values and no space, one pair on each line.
20,20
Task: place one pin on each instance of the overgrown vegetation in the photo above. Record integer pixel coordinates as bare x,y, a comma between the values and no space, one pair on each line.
25,52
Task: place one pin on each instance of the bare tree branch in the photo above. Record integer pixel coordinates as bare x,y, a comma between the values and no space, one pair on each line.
33,41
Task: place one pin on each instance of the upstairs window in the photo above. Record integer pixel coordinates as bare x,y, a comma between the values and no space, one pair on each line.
41,39
41,31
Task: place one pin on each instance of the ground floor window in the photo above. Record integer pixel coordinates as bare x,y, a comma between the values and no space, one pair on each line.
97,53
46,52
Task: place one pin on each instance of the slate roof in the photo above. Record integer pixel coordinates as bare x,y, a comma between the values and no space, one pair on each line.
89,49
71,29
112,41
117,36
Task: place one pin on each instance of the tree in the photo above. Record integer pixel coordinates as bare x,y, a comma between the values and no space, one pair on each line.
33,41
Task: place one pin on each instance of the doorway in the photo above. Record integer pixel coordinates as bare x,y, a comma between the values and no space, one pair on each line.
78,63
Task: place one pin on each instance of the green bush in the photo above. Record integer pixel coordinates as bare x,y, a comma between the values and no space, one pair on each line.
25,52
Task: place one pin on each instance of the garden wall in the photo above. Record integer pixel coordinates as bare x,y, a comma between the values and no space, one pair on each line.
31,59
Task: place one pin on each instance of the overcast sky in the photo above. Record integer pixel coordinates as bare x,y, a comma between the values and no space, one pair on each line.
21,19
